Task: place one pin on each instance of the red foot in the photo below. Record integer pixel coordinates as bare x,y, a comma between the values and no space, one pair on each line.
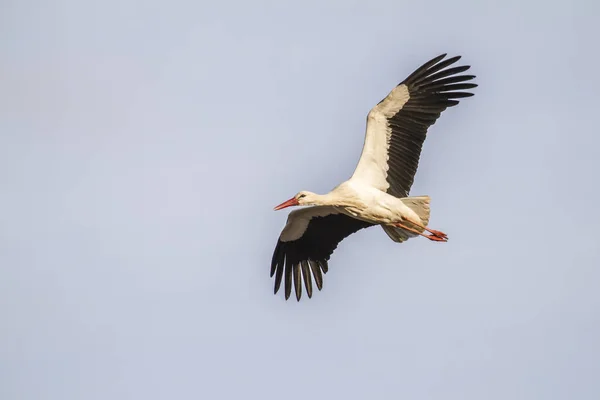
438,234
437,238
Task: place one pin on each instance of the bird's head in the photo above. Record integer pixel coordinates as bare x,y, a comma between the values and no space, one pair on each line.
303,198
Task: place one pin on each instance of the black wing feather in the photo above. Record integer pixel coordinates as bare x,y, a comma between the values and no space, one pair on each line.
307,278
316,271
431,89
311,252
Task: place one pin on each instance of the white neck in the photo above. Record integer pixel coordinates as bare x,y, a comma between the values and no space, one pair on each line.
332,198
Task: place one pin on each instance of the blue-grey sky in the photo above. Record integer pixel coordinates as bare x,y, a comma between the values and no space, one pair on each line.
143,146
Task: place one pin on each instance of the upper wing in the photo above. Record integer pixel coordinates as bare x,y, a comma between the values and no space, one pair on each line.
306,243
397,126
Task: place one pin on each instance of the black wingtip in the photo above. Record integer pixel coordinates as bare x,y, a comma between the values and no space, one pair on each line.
421,70
298,281
288,278
434,68
452,60
278,278
324,266
316,271
307,278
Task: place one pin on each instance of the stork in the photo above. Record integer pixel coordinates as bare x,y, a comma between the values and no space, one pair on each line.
377,192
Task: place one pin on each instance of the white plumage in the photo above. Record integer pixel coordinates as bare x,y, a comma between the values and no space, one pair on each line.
377,192
372,166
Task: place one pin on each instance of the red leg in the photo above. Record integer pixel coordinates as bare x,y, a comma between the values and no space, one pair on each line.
432,231
434,237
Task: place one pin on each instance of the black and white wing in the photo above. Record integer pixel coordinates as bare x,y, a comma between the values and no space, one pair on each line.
307,241
397,126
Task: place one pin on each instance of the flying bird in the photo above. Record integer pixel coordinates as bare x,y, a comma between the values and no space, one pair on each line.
377,192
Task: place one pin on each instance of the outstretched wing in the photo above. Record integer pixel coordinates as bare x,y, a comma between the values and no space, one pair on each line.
397,126
305,245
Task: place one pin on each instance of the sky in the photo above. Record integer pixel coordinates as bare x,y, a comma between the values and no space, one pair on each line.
143,146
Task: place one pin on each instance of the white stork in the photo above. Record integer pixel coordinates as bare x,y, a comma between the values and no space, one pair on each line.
377,192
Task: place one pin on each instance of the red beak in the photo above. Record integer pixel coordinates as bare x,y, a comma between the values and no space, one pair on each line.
288,203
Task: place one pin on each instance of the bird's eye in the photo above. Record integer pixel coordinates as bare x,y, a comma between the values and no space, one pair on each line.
301,196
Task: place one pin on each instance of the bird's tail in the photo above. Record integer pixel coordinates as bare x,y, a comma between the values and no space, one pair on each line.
420,205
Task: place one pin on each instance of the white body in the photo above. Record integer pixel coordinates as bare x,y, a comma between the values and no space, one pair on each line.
363,202
370,204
